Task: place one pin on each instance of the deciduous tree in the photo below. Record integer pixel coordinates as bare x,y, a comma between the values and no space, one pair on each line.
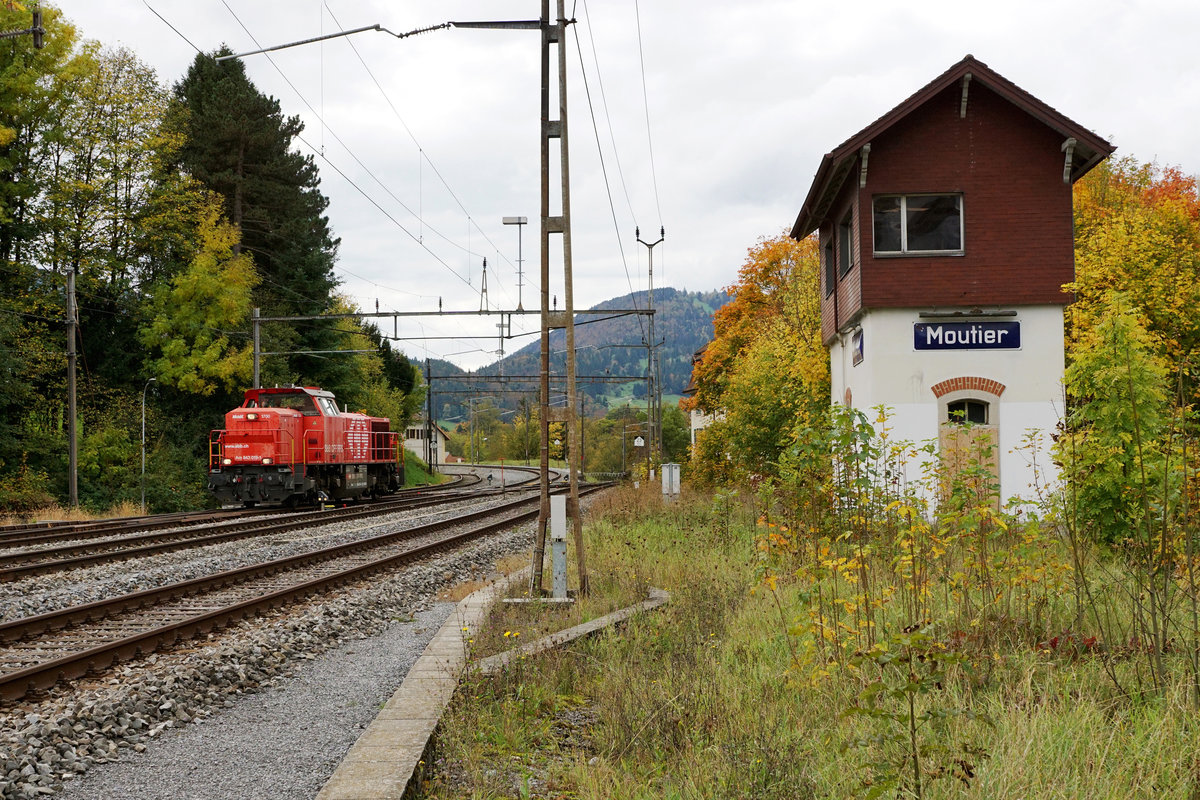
195,321
1138,233
766,371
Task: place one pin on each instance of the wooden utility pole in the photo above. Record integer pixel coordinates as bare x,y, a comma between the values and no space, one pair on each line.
574,418
555,34
539,549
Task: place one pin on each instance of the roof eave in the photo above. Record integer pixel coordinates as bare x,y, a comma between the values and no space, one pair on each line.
811,214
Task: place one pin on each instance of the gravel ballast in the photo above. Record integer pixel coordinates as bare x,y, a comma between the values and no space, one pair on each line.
266,709
280,743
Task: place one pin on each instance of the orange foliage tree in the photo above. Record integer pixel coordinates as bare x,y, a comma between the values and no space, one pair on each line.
766,371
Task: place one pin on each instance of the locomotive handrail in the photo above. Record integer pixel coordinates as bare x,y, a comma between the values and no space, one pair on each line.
291,449
215,437
381,443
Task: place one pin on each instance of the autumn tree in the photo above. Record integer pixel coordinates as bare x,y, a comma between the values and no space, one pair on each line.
1137,232
766,371
193,321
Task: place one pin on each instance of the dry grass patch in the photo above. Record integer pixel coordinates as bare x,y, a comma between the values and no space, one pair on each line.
57,513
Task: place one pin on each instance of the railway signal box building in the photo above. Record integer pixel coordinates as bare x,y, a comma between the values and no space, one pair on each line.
946,238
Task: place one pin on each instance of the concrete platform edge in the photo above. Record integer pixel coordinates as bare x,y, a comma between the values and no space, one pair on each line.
383,761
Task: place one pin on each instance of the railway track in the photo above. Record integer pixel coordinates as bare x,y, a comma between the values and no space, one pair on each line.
43,532
27,563
38,652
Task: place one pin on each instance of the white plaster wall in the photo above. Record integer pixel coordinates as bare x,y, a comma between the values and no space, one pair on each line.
417,446
699,421
894,374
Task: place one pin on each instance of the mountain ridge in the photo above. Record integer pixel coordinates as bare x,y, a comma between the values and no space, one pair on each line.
611,356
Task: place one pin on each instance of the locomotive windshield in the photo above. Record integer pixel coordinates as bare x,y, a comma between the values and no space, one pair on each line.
297,401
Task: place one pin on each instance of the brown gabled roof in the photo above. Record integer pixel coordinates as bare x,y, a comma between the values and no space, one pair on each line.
1090,149
690,389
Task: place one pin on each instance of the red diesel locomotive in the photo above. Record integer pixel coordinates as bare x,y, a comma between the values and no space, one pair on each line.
291,445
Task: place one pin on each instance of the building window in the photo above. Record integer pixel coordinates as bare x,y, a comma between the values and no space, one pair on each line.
918,223
845,244
962,412
830,273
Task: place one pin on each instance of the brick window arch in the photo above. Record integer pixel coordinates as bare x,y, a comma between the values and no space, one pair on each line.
968,384
968,399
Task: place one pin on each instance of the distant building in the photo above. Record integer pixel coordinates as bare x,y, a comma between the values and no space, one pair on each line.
698,418
427,442
946,237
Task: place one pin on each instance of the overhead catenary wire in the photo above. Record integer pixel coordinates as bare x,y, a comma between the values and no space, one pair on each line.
350,151
319,151
646,104
607,185
604,102
424,156
172,27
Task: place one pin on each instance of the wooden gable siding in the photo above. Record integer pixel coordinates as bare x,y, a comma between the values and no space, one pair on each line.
1017,239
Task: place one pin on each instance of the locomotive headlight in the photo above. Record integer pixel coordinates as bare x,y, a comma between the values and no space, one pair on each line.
268,461
252,416
227,461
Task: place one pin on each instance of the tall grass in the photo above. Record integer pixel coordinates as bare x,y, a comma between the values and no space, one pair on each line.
764,677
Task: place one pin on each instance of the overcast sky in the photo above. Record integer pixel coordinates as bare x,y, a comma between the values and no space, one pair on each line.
716,139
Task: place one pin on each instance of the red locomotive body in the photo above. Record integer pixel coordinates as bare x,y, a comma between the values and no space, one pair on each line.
291,444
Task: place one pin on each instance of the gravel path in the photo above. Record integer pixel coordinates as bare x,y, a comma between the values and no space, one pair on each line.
282,743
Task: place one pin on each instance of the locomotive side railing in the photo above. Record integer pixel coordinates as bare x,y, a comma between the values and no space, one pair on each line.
291,447
215,448
384,446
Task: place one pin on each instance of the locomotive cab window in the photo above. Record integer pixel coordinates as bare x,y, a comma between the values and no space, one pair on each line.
962,412
296,402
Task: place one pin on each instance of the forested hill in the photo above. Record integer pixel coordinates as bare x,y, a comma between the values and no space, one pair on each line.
607,346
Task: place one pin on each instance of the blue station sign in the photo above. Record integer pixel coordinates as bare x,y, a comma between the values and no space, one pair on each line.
967,335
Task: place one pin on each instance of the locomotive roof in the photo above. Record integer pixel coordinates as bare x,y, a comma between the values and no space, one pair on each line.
311,391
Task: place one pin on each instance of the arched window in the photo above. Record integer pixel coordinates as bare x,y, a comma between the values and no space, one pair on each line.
967,411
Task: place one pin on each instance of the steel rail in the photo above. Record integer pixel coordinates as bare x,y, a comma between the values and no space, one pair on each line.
18,683
102,527
37,533
24,564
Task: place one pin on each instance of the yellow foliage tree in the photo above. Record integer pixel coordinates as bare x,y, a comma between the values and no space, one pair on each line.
1137,232
766,371
193,318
